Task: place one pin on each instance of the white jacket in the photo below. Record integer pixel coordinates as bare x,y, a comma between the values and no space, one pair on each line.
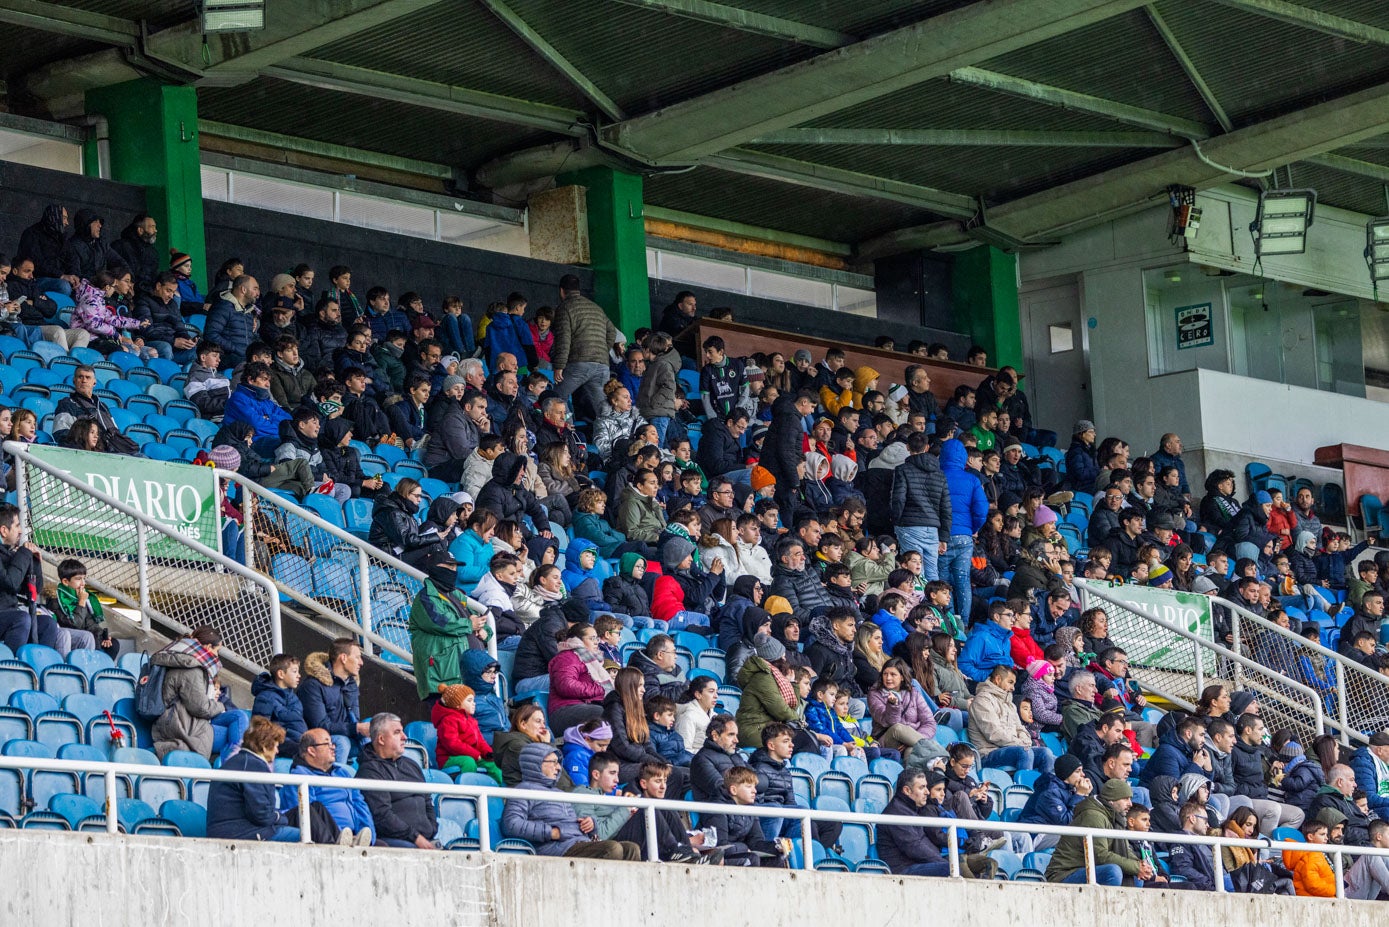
691,721
753,560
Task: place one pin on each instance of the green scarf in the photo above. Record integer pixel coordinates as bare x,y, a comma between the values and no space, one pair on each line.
67,601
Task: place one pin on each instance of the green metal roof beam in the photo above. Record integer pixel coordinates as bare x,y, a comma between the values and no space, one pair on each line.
324,149
773,27
838,180
427,94
64,20
1005,138
1080,102
846,77
290,29
554,59
1317,20
1189,68
1355,166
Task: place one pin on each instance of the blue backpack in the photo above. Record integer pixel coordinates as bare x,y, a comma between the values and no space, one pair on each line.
149,693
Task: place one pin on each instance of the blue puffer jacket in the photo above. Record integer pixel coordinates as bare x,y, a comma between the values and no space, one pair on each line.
347,806
1363,762
490,710
254,406
231,326
510,334
1081,468
473,555
1303,779
989,645
244,810
281,706
1052,802
1171,758
329,702
969,507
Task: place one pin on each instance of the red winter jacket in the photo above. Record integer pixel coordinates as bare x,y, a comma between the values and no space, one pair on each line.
458,734
1024,649
667,598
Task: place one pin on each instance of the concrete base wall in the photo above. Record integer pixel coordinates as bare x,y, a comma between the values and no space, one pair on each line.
84,879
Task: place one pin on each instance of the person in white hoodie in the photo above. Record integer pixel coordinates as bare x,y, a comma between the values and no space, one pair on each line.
477,466
752,559
695,710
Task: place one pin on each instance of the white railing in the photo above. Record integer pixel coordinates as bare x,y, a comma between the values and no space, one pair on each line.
372,576
207,588
1285,699
111,772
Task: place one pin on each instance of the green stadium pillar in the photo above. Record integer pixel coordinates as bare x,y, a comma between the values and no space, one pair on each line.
154,144
617,244
984,285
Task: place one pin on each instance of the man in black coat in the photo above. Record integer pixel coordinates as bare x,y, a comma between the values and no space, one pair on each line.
135,249
920,503
782,453
908,849
43,244
85,255
719,453
1092,740
715,758
402,819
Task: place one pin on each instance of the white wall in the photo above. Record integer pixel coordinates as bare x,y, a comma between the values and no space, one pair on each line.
91,879
1230,415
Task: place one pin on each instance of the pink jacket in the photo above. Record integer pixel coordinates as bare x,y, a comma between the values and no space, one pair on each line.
93,315
911,709
570,683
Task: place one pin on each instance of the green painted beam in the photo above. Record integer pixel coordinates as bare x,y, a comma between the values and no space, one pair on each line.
617,244
554,59
969,138
1327,23
291,29
743,230
324,149
847,77
984,296
428,94
1082,102
64,20
1189,68
838,180
774,27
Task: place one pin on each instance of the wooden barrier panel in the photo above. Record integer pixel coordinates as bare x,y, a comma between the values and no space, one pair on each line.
1366,469
742,340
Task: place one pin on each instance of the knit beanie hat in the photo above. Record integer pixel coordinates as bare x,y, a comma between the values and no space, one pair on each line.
802,355
1203,585
280,280
1109,704
226,457
897,393
1291,751
768,647
1037,668
777,605
1044,516
761,478
1263,498
629,562
451,381
677,549
1115,790
453,696
176,258
1241,700
1159,576
1066,765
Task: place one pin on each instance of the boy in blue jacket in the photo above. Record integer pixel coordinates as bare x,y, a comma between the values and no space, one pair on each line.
1055,796
660,717
480,673
824,723
276,699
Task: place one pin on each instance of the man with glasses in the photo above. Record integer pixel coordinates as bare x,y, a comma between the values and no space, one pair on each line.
720,505
1115,682
659,668
347,807
990,644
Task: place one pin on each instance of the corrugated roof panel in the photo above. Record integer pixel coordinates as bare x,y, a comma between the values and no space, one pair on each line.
1371,12
862,18
1122,59
941,104
158,13
789,207
460,44
360,122
1338,188
995,173
645,59
1259,67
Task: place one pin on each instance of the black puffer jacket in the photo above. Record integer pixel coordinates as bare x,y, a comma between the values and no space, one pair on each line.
397,815
140,256
504,496
708,768
394,528
718,450
341,464
43,242
802,588
774,783
1247,763
166,319
320,342
920,494
781,450
83,255
454,436
1250,525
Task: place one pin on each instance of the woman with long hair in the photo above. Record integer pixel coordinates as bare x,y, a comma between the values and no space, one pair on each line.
562,482
720,541
901,717
527,727
625,712
694,710
578,680
869,656
949,680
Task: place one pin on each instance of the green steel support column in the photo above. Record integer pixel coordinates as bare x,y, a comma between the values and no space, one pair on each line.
985,290
617,244
154,144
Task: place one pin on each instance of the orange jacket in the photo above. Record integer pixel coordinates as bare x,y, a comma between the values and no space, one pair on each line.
1312,873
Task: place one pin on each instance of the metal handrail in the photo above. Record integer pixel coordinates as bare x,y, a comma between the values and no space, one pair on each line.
366,552
1341,663
110,772
20,452
1088,588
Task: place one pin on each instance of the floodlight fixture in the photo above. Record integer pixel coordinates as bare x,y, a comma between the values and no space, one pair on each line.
232,15
1281,223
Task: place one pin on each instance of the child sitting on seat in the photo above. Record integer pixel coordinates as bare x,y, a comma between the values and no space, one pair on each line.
461,744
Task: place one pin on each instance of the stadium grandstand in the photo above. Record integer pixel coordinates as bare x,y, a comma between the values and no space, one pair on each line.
939,440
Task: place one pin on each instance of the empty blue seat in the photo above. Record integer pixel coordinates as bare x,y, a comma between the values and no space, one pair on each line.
181,410
39,657
62,680
76,808
189,817
132,811
126,390
90,661
15,724
836,785
124,361
166,369
357,516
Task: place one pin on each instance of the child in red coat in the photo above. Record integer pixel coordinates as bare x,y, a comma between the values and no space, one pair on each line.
461,745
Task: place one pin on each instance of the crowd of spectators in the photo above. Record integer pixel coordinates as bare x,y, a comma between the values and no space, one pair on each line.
874,562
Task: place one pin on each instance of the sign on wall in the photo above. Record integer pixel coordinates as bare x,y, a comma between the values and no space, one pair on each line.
1194,326
182,497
